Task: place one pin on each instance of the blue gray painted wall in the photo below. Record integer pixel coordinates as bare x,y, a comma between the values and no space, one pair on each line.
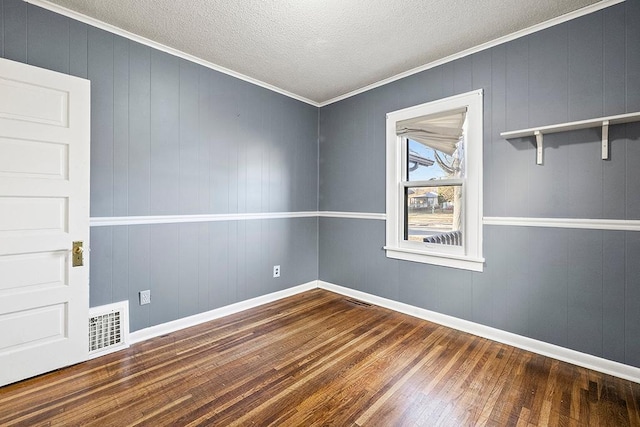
170,137
575,288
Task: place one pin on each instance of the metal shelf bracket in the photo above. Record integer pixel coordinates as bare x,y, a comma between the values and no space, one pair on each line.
605,140
539,147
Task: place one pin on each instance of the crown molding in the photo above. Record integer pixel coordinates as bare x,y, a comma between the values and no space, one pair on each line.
159,46
500,40
147,42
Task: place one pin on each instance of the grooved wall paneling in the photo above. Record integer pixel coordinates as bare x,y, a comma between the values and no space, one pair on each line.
574,288
170,137
101,73
48,41
191,268
173,137
581,292
14,14
632,17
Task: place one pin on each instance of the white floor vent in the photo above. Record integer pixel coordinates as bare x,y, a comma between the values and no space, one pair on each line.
108,328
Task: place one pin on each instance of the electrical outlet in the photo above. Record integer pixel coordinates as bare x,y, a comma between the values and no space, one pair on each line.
276,271
145,297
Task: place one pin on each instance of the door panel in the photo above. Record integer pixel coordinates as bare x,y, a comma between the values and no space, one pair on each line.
33,327
33,215
33,159
44,208
31,102
31,271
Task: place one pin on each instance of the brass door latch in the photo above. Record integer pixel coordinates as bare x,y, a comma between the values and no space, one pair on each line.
77,255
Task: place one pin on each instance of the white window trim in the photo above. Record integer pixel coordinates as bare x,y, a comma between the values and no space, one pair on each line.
469,258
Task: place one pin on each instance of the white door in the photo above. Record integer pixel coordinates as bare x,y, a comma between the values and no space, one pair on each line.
44,208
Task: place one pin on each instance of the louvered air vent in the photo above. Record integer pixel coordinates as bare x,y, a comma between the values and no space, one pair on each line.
108,328
358,302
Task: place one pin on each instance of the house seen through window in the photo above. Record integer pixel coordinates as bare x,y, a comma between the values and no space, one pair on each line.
434,185
434,177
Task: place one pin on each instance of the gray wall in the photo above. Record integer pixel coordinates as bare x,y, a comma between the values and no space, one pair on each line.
575,288
172,137
169,137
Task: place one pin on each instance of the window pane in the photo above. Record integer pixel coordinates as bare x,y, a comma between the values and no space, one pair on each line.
434,214
425,163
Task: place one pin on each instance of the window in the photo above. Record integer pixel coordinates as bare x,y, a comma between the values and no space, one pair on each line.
434,182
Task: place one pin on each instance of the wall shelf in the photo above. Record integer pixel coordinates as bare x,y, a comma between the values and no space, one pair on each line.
603,122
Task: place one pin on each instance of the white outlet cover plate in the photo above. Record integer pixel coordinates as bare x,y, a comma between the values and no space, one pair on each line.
145,297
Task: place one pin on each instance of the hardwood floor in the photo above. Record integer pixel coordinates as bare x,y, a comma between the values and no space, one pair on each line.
321,359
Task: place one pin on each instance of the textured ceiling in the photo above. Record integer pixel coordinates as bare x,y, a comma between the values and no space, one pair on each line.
322,49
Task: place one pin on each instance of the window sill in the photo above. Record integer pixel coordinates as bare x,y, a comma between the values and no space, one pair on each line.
435,258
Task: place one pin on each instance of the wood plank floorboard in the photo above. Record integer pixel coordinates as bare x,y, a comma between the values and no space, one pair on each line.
321,359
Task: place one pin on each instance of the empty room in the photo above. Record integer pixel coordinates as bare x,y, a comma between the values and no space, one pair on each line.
310,213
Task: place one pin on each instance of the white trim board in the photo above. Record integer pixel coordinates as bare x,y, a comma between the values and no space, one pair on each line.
172,219
147,42
352,215
588,361
186,322
583,223
525,32
550,350
159,46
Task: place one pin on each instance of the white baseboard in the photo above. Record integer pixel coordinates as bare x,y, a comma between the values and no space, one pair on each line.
588,361
196,319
